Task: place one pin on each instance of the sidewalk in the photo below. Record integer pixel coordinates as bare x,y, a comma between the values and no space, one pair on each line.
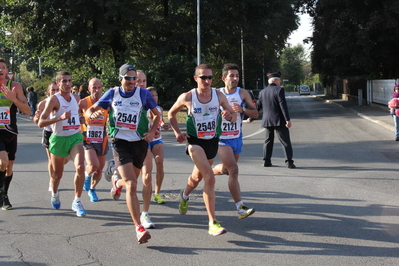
375,113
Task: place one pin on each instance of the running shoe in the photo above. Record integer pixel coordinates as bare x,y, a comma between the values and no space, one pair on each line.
216,229
109,170
244,211
183,206
87,183
158,199
78,208
93,195
115,191
6,204
146,221
55,202
142,235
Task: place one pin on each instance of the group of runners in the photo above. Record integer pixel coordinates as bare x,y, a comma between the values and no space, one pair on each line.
134,119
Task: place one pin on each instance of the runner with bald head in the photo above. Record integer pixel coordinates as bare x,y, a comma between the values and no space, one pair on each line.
95,139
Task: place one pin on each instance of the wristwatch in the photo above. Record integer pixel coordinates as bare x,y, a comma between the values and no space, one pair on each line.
244,109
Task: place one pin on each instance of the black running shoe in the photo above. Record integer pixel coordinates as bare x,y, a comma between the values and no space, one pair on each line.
6,204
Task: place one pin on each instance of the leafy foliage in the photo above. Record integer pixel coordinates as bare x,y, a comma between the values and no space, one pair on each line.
356,37
94,37
292,61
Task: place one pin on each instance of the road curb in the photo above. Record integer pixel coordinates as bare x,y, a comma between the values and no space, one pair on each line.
378,122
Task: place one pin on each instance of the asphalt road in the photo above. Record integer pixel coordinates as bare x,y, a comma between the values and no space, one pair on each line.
338,207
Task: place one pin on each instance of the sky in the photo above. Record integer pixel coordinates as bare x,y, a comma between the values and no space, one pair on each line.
304,31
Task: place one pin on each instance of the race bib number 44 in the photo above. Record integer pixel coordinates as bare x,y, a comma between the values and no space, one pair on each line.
71,123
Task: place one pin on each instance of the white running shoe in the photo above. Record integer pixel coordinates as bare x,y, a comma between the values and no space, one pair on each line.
244,212
146,221
142,235
109,170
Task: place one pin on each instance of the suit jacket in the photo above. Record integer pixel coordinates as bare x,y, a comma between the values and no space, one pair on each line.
274,105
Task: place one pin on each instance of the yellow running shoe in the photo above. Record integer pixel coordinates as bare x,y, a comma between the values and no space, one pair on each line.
158,199
183,206
216,229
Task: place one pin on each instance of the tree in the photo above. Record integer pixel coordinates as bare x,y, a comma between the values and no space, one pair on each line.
94,37
292,61
356,37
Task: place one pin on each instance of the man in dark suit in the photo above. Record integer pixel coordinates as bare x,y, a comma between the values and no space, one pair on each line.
275,118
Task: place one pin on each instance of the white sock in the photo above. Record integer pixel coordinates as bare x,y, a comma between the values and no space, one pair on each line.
54,194
185,196
238,204
144,213
77,199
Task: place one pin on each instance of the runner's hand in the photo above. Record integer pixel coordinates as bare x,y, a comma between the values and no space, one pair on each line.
10,94
66,115
182,137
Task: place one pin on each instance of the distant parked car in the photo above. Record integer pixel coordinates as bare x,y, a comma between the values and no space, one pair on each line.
304,89
256,93
254,97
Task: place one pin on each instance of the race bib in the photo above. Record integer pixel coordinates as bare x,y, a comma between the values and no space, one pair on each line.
94,134
126,119
230,128
206,127
71,123
5,116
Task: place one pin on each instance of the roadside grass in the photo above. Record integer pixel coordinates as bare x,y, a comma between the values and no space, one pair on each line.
181,116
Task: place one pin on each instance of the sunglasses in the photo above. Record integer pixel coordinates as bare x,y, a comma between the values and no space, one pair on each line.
129,77
205,77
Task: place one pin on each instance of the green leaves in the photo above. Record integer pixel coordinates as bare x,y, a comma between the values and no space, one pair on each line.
354,37
94,37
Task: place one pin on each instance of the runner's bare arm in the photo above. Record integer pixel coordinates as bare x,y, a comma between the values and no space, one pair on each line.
52,105
251,111
82,110
94,112
228,112
182,101
149,136
17,96
40,108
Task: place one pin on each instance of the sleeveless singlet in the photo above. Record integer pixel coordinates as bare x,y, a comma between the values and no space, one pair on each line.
95,128
232,130
159,125
129,119
204,119
8,113
70,126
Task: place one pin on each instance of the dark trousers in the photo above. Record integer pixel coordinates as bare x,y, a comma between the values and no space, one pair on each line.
284,136
32,108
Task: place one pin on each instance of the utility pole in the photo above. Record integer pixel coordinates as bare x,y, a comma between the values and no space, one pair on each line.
263,74
198,34
40,68
242,59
